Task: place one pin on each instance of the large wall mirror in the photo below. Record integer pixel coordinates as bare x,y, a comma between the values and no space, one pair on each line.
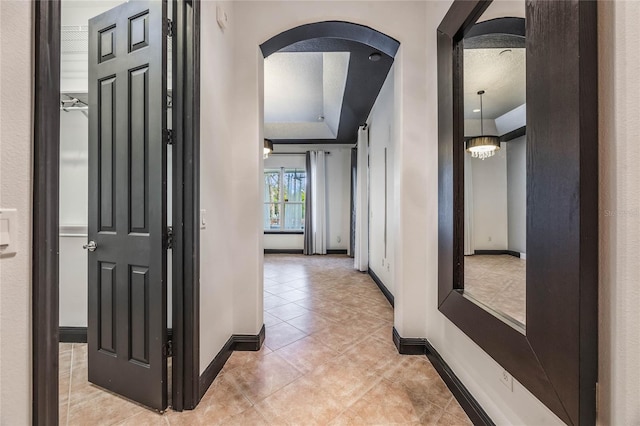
494,100
517,94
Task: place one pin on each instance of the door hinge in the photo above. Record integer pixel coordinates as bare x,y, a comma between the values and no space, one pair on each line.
167,350
169,237
169,136
170,28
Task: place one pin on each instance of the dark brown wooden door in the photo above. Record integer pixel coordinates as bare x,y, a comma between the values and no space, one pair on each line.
127,202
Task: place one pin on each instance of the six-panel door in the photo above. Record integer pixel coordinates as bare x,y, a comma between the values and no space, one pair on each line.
127,202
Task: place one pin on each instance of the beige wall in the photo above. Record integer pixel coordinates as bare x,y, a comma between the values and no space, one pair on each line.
490,201
15,192
381,136
619,91
255,23
216,194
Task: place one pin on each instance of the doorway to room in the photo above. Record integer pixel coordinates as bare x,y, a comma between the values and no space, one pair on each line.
328,123
102,119
115,109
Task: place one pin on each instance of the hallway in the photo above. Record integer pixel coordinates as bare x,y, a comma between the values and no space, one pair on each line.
328,358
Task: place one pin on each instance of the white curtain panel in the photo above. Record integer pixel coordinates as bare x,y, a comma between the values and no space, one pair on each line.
361,250
315,229
469,244
319,202
308,223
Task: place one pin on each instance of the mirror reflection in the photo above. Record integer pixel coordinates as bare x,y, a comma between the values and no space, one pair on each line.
495,166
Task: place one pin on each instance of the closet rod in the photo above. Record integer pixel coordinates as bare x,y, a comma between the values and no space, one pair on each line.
293,153
82,108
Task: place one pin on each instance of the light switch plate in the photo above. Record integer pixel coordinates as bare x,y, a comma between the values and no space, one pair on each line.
203,219
8,229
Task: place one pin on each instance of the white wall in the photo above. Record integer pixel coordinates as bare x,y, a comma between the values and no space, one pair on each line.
619,339
74,168
499,182
283,242
73,280
338,192
338,172
517,194
263,20
499,187
382,135
490,216
74,200
401,20
217,177
499,198
619,194
15,192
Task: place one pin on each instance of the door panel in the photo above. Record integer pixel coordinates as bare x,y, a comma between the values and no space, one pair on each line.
107,312
106,152
127,202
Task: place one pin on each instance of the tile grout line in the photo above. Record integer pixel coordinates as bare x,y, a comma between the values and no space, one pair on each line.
360,396
275,390
259,411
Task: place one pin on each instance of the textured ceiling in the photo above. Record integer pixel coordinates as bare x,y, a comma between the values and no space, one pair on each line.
293,87
303,94
501,74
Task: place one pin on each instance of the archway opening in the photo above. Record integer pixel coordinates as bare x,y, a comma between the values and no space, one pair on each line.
328,87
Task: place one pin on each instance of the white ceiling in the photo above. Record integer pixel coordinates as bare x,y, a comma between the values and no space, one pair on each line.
303,93
501,73
502,77
504,8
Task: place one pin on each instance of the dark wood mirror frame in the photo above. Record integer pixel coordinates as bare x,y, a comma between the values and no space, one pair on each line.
556,359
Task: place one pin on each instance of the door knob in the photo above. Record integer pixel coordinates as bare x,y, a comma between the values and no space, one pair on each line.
92,246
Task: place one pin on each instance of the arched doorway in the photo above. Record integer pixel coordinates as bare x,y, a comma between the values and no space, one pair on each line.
365,64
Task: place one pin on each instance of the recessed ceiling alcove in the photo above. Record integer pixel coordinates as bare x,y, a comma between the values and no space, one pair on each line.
321,81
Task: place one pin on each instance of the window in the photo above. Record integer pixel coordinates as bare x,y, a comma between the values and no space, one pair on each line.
284,197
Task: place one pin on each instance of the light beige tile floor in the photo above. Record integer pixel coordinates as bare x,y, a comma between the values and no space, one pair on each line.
499,282
328,359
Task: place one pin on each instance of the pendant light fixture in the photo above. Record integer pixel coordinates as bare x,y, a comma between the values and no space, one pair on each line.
268,148
483,146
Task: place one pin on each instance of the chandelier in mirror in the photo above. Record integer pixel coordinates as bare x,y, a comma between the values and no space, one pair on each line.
483,146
